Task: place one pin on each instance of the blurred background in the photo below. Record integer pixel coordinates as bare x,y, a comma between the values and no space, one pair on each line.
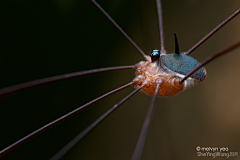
46,38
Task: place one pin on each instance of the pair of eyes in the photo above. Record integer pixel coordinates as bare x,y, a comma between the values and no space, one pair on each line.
155,54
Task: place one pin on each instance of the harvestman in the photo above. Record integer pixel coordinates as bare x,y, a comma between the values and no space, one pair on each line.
137,153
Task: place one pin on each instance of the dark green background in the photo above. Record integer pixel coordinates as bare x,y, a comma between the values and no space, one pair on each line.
47,38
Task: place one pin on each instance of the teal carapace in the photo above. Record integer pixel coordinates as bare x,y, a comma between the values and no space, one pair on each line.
182,64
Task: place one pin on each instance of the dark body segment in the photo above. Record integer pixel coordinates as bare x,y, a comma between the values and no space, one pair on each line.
182,64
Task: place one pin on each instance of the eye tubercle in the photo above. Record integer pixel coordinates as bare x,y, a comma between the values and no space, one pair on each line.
155,55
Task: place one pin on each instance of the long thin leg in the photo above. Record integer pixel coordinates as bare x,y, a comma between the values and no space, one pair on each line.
51,124
213,31
160,25
119,28
66,148
19,87
141,140
209,59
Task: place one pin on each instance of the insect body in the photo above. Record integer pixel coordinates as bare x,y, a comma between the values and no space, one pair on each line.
168,70
171,80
